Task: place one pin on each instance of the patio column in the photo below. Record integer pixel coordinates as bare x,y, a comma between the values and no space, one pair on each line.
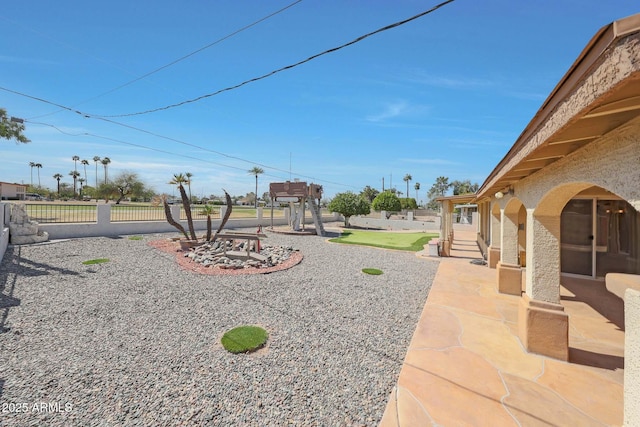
508,271
543,325
632,357
493,253
446,229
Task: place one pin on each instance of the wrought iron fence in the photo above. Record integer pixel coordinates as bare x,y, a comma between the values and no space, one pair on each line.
198,212
137,213
61,213
47,213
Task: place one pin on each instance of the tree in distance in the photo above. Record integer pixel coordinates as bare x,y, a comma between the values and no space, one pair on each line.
386,201
256,171
407,178
464,187
348,204
369,193
125,184
438,189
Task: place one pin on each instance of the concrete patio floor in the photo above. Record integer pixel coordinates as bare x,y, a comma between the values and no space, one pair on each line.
466,366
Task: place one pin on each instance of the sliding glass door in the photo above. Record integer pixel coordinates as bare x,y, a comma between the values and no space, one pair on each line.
576,237
599,237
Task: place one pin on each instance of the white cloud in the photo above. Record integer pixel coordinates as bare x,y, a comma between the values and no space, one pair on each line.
453,82
390,111
397,109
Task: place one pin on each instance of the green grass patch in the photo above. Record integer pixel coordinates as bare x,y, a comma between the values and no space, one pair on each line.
413,242
372,271
244,339
95,261
135,237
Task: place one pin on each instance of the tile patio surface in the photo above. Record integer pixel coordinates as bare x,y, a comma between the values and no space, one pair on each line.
465,364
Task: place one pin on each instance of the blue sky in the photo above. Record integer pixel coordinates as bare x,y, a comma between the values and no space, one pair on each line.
446,94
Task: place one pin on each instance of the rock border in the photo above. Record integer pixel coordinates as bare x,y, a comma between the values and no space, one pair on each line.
186,263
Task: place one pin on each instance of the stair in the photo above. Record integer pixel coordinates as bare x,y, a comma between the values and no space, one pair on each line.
317,217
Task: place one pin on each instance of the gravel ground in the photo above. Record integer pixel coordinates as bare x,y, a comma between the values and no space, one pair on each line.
136,341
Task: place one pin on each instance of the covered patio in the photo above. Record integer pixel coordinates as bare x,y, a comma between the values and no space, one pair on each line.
560,232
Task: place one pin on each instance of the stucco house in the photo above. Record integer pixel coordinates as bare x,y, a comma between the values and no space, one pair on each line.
563,202
12,191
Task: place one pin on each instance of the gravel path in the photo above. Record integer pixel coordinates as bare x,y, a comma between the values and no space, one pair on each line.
135,341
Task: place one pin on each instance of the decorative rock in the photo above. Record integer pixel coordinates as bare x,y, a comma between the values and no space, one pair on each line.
211,255
22,230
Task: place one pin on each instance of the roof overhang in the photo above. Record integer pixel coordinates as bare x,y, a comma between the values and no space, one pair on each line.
566,121
459,199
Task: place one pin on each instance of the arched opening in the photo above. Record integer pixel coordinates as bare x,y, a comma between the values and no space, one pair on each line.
577,233
599,235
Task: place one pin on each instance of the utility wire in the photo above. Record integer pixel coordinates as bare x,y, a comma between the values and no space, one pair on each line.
108,120
182,58
287,67
143,147
313,179
246,27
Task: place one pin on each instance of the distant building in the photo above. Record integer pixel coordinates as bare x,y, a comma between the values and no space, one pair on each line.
12,191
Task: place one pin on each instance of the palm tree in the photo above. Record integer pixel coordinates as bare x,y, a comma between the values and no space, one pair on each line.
85,163
32,165
58,177
180,179
189,175
256,171
75,175
105,162
417,188
406,179
75,162
38,166
81,181
96,159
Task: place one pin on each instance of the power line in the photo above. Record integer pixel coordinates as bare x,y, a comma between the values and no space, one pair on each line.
130,144
246,27
108,118
182,58
287,67
313,179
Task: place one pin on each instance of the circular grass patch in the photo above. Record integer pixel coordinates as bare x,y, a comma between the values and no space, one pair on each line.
95,261
372,271
244,339
135,237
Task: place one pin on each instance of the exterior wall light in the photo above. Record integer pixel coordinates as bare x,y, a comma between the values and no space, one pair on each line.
501,194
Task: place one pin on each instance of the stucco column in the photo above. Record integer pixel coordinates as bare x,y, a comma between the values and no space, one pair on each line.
543,325
632,358
507,269
445,230
103,214
495,237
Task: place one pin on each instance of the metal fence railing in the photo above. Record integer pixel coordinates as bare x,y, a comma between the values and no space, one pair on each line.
47,213
198,212
137,213
54,213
